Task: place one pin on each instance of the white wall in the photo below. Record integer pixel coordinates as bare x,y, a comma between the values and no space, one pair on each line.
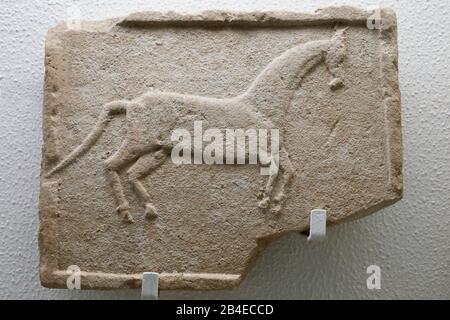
410,241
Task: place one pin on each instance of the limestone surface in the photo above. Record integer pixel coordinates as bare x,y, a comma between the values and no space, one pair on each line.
116,203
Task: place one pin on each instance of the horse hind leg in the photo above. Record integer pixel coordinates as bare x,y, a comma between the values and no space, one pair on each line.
141,168
112,165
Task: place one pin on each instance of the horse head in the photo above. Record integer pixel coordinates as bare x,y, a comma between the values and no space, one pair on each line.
335,57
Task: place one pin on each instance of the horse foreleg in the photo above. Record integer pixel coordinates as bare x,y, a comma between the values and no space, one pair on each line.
287,173
271,181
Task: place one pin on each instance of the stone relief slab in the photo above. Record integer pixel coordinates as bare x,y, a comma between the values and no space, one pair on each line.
138,173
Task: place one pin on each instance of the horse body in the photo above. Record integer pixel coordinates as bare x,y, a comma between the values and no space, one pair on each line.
155,115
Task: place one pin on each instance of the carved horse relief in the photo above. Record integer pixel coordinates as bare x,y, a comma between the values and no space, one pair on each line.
151,118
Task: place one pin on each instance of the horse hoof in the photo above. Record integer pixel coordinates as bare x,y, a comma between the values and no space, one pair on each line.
264,203
150,212
276,209
123,208
279,198
127,218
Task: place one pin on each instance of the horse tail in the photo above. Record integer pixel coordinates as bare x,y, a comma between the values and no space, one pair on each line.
109,111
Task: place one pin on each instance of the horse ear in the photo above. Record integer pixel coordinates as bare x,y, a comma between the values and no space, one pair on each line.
335,58
339,37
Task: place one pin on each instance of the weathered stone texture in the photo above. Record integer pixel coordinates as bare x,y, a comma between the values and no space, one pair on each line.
115,90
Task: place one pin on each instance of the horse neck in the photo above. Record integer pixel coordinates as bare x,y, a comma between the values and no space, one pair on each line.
274,87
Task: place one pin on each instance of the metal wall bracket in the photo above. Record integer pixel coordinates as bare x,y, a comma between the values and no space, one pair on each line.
150,286
317,225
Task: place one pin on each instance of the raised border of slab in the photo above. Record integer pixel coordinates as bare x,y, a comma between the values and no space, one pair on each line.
53,278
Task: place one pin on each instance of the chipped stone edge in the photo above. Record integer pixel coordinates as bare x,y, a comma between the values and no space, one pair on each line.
216,18
51,277
391,101
340,14
392,106
167,281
